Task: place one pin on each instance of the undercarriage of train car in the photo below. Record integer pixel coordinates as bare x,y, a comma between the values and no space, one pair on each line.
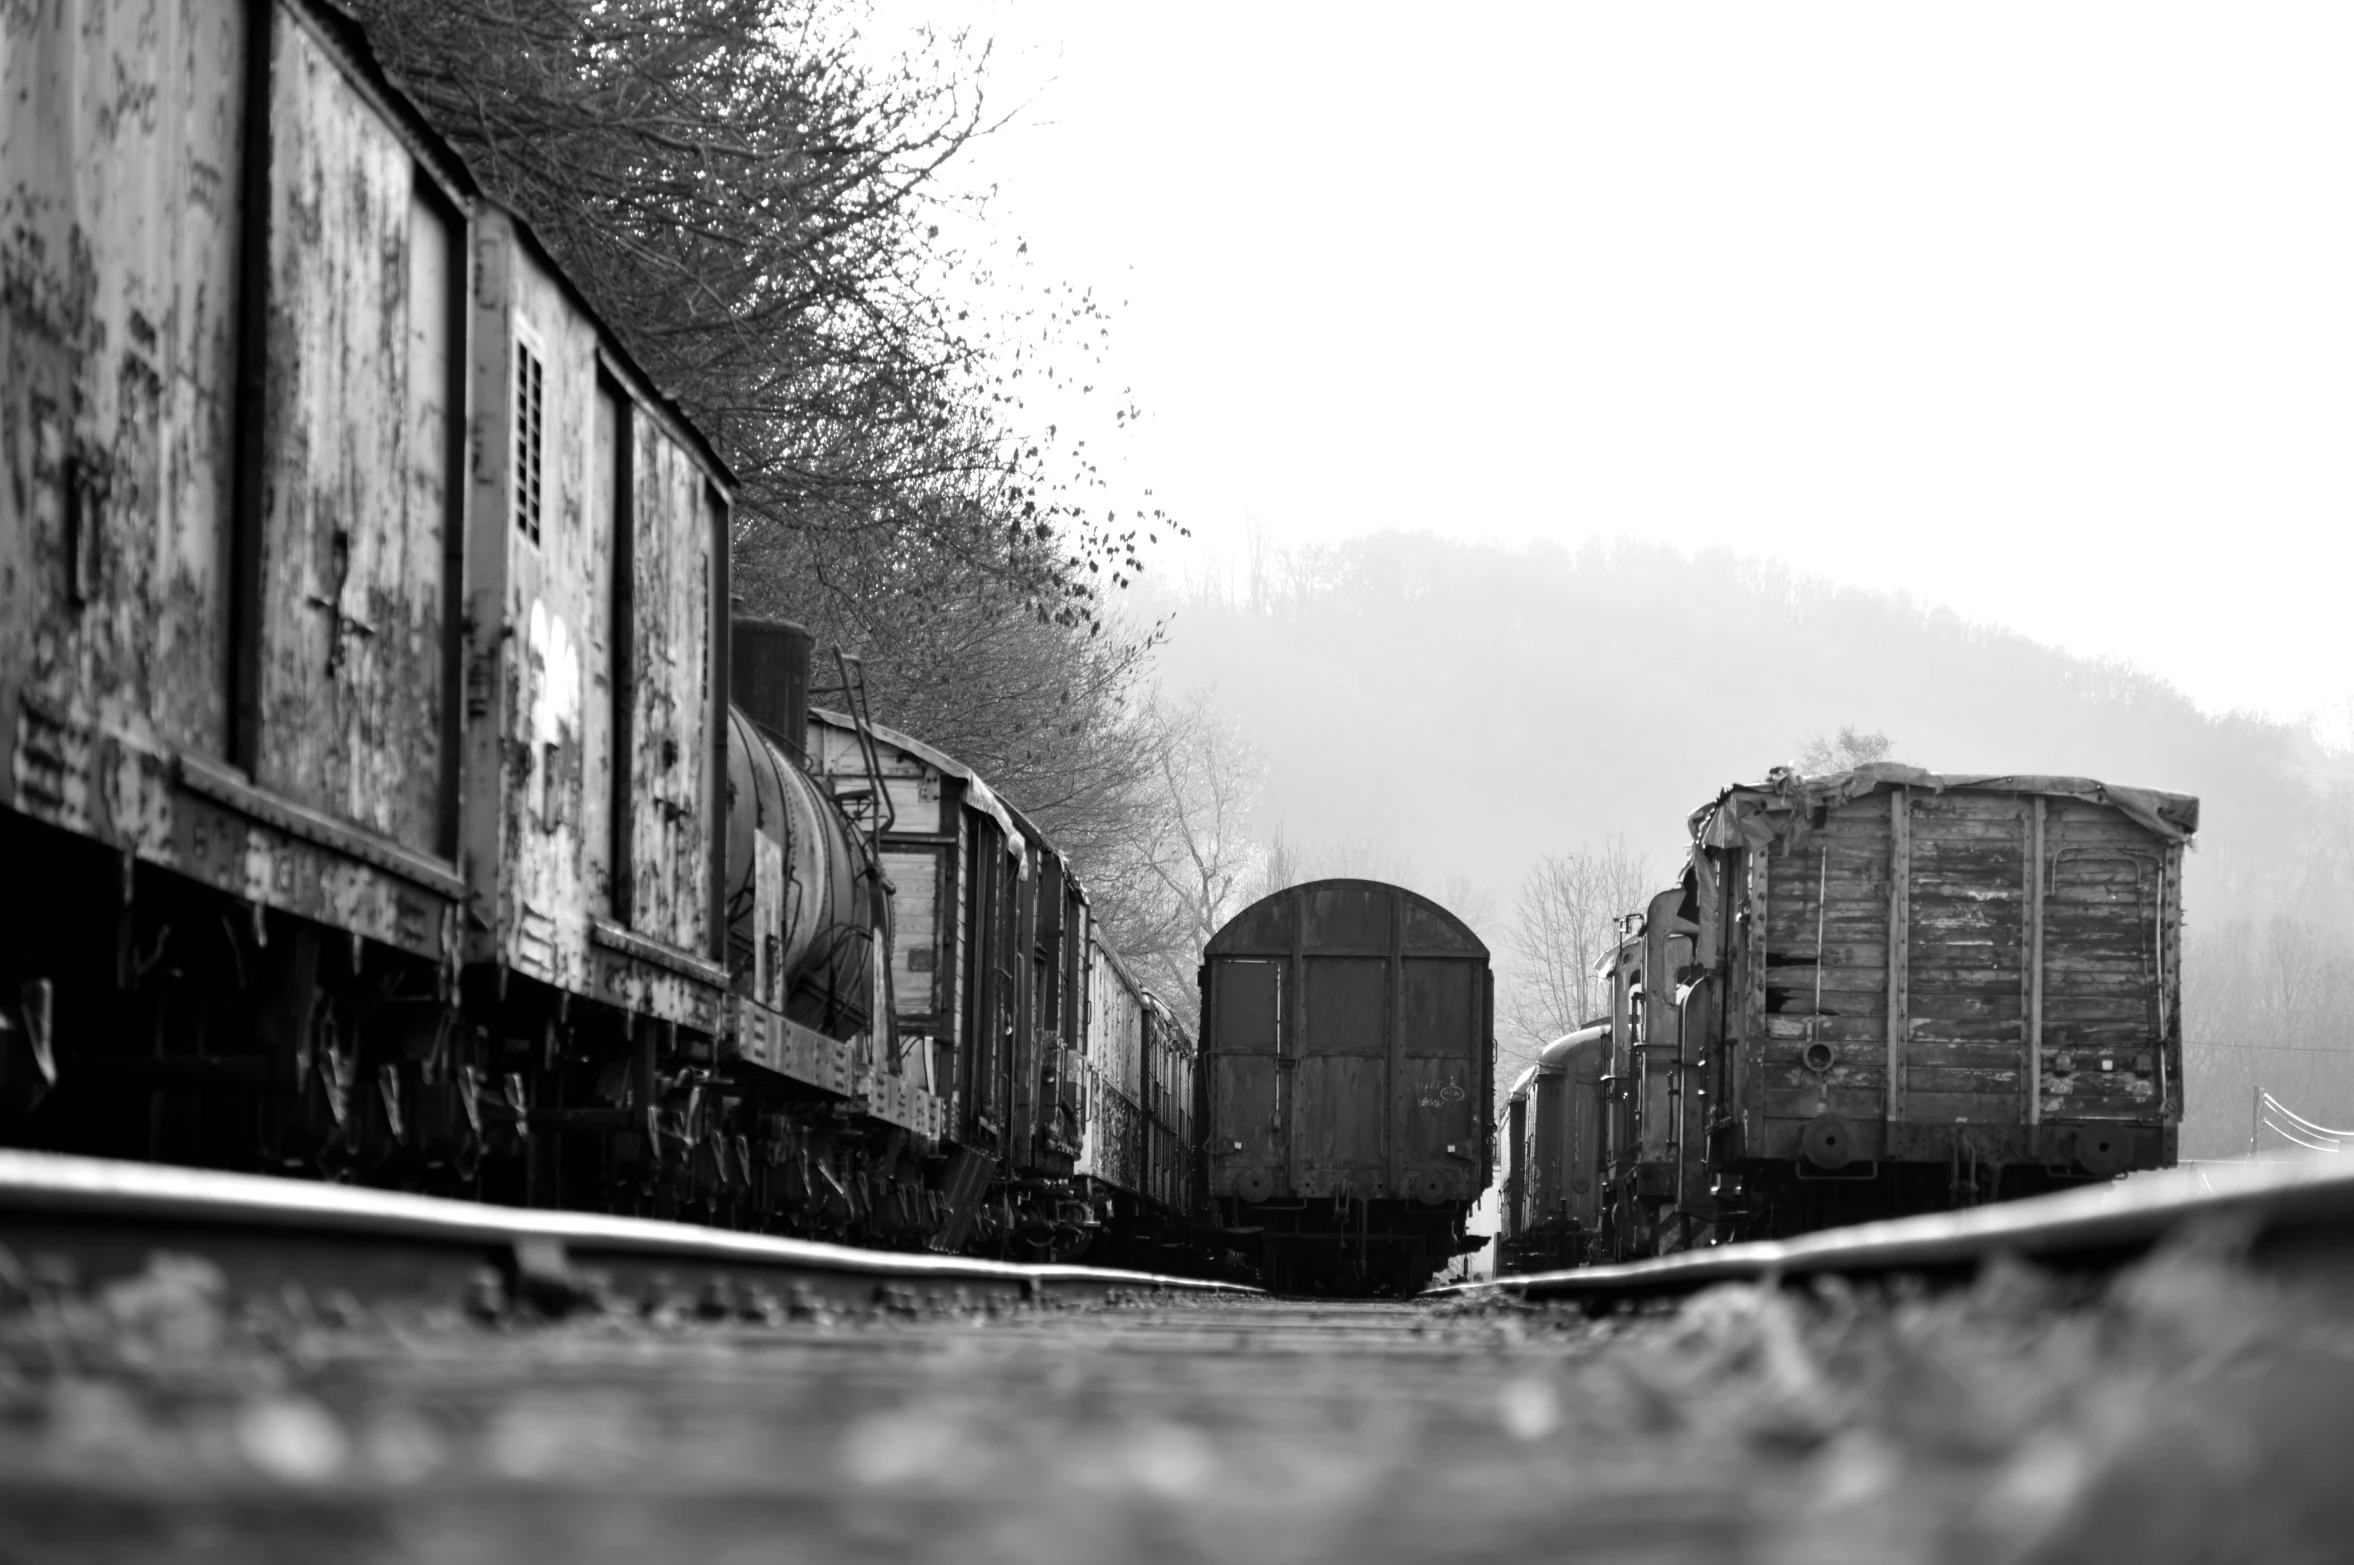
1346,1248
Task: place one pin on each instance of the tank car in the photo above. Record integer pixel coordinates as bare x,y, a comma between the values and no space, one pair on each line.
1887,991
1346,1074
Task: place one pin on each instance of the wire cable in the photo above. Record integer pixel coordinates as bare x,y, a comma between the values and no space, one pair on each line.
2289,1113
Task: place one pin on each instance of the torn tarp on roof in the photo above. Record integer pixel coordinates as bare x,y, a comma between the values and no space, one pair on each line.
1739,814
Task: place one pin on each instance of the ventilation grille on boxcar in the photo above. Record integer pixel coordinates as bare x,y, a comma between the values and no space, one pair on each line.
529,393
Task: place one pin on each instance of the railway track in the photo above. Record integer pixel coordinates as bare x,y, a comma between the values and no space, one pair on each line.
106,1219
2290,1217
193,1367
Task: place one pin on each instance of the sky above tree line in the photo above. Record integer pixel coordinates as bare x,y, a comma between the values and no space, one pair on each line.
2044,313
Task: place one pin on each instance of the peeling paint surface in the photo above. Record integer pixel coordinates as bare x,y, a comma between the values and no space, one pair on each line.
356,493
120,141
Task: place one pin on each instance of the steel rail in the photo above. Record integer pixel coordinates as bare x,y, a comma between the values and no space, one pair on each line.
2290,1215
109,1217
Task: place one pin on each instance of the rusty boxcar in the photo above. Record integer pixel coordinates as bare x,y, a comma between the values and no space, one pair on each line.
234,414
1347,1055
1136,1161
363,648
1885,991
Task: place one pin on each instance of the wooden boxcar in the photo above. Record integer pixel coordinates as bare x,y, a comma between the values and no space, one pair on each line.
1885,991
1347,1060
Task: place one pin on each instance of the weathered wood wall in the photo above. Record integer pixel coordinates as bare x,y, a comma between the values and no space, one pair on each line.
1997,958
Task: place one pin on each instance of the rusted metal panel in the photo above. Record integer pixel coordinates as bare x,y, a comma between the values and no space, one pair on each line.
124,243
121,144
1249,1141
591,853
360,336
1117,1076
670,639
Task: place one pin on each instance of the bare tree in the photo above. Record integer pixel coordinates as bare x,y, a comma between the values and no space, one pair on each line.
1190,862
1563,924
1467,900
752,199
1844,751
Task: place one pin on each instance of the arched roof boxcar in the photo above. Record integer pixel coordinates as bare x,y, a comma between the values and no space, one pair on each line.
1347,1041
1340,915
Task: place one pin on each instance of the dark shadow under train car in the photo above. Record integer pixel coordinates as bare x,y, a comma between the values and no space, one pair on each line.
1346,1075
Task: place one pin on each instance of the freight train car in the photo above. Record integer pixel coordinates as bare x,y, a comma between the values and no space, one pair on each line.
1552,1199
365,789
1347,1057
1886,991
989,969
365,672
1138,1158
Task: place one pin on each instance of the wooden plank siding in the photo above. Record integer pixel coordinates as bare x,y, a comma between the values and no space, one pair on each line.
1984,956
1965,1028
1825,976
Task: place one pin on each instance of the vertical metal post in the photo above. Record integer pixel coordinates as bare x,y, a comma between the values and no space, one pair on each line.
1900,869
1394,981
2035,964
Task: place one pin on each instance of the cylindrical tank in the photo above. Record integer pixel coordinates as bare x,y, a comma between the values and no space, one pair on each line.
802,931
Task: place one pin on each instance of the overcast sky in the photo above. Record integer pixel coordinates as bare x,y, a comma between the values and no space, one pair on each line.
2044,312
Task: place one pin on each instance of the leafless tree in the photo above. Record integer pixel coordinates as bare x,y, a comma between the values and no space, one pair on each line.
1563,924
1847,749
752,199
1189,863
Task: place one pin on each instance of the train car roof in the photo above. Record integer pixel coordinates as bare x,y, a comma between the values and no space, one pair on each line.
1019,830
1257,928
1554,1056
1740,814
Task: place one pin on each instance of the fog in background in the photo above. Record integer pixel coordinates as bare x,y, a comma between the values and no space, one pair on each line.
1578,409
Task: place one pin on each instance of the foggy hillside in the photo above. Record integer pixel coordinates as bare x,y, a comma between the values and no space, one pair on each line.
1468,708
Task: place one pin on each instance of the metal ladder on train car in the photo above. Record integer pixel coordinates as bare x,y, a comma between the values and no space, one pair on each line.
869,808
871,814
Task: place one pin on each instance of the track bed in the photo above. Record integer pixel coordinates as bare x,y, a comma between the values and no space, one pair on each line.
2027,1416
